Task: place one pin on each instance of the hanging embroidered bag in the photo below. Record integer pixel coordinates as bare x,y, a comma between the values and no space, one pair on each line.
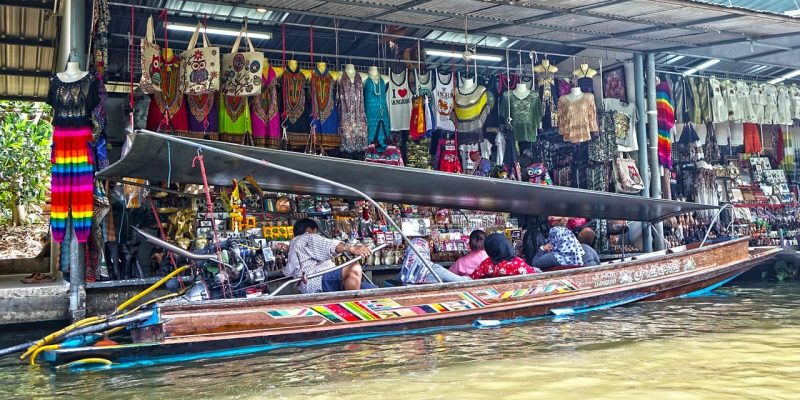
241,71
200,66
151,61
626,176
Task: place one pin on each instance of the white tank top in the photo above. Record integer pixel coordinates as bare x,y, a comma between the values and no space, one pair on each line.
399,101
443,101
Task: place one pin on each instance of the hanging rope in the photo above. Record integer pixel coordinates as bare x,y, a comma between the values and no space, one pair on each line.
311,40
131,102
336,35
209,204
161,231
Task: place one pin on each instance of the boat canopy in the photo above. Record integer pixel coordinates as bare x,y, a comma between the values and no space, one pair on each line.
160,157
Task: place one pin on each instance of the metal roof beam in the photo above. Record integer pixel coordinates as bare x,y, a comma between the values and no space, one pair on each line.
402,7
676,26
23,73
33,42
45,5
765,54
734,41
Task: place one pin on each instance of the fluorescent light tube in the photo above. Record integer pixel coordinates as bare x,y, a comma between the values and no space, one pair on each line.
452,54
700,67
218,31
790,75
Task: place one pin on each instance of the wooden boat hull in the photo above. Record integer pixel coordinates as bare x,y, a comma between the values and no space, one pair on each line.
242,326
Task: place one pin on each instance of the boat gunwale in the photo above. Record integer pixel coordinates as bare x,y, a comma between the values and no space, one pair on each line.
435,287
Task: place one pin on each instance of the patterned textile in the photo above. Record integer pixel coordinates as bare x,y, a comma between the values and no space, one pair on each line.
666,121
325,119
310,253
566,248
413,269
73,102
598,177
266,126
603,148
577,119
525,114
515,266
711,148
377,112
72,182
353,120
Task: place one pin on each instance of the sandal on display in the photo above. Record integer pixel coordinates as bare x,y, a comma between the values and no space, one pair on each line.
38,278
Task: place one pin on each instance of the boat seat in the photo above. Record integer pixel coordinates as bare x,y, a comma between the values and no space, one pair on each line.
562,268
679,249
392,283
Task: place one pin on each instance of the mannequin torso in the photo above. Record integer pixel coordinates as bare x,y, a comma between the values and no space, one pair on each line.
545,68
575,94
584,72
72,73
522,91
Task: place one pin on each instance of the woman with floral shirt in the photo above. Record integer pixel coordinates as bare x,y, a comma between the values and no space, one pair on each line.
501,261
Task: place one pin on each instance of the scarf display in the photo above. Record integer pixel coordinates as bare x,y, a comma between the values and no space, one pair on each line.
666,121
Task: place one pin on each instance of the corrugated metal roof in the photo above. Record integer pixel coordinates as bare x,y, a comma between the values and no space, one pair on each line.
27,51
772,6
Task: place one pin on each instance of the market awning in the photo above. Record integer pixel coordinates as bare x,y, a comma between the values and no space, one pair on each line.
160,157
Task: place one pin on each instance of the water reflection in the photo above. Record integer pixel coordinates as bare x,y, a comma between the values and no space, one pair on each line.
745,344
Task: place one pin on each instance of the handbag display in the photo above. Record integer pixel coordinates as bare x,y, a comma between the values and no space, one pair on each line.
200,66
151,61
626,176
241,71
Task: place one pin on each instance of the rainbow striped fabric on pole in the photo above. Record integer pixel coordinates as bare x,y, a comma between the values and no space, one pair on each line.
73,182
666,121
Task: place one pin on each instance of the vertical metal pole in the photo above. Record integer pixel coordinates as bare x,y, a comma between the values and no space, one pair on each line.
641,137
652,129
74,22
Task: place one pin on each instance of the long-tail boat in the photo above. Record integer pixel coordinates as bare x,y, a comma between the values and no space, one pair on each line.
171,330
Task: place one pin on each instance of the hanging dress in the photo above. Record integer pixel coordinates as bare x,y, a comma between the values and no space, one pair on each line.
295,112
586,84
794,94
234,119
771,108
353,118
203,116
719,107
758,101
784,115
72,155
732,100
701,108
443,101
548,93
167,111
323,109
399,101
492,124
425,86
377,111
525,113
266,124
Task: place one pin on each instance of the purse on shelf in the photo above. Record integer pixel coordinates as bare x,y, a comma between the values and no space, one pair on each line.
151,61
626,176
200,65
241,71
390,156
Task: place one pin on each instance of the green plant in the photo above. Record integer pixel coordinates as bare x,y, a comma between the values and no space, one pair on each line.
25,138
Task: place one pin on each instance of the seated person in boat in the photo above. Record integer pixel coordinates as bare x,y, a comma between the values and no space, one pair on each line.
562,248
310,252
414,271
467,263
502,260
590,256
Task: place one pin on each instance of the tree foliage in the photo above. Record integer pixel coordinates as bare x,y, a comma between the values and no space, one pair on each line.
25,138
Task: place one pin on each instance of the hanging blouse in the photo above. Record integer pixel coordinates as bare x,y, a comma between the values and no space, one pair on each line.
167,111
771,107
353,121
758,100
719,107
678,86
325,119
746,112
794,94
443,101
73,102
377,111
784,116
752,138
295,113
586,84
203,115
266,124
234,119
525,113
666,122
399,101
469,114
625,124
701,108
577,119
603,148
732,100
